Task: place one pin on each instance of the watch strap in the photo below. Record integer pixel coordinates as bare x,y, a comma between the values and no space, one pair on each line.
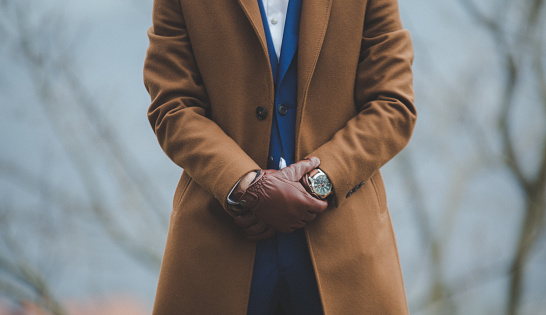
306,183
314,172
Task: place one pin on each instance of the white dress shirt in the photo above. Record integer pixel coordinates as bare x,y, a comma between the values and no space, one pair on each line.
276,10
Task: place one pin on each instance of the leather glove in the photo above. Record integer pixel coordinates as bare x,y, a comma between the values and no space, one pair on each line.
278,200
255,229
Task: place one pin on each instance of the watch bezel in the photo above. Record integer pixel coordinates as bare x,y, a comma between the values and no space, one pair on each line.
313,179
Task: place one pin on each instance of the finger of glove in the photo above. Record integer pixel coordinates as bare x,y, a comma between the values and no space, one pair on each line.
280,219
308,216
256,229
265,234
309,203
292,227
304,181
282,204
246,220
296,171
289,226
317,205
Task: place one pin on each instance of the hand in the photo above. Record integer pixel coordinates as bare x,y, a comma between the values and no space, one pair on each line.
278,199
255,229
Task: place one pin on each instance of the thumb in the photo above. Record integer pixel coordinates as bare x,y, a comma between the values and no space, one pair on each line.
296,171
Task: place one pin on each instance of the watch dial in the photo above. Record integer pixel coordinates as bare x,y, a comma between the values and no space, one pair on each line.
322,185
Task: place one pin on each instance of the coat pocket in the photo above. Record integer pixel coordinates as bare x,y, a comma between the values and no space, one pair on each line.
181,188
379,187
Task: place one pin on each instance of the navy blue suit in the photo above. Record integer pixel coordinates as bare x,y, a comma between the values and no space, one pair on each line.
283,278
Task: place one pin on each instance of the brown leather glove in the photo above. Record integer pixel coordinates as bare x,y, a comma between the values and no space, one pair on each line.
255,229
278,199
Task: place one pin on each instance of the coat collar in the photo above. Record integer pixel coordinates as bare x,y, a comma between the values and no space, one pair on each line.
314,20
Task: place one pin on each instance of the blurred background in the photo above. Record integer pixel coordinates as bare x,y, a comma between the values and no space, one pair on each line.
85,190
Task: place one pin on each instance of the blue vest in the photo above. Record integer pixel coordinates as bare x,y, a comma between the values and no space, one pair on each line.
283,129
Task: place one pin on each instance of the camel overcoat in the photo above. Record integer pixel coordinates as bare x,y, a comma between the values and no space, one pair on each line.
207,70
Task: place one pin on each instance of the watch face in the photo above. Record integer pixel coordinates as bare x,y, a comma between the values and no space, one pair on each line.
321,185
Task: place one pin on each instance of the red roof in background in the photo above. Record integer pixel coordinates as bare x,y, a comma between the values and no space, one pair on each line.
115,305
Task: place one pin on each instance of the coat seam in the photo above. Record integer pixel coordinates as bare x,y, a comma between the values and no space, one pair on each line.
313,260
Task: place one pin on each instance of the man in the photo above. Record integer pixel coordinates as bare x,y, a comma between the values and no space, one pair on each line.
233,103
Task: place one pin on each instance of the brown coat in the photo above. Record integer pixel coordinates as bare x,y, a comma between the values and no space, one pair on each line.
207,70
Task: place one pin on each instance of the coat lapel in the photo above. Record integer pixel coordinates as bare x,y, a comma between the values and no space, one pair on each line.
314,21
252,11
313,24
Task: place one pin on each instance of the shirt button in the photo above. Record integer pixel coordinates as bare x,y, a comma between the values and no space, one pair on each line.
261,112
271,159
282,109
274,21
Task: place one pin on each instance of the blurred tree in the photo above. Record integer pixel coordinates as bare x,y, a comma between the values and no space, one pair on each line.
500,103
41,45
518,34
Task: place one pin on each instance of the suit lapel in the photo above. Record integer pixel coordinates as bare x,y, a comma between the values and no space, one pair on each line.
290,37
270,47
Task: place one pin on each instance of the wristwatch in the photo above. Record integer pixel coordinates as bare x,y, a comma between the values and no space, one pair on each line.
320,183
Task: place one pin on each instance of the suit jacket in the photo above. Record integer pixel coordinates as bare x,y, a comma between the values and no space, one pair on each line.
210,80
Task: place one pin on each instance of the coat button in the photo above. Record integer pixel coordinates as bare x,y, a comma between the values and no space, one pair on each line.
282,109
261,112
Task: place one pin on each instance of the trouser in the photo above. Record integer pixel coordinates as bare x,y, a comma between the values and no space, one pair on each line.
283,281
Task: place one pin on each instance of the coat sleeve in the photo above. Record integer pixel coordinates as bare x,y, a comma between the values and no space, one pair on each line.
384,98
179,111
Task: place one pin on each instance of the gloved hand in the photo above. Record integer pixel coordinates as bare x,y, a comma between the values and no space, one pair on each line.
255,229
279,201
